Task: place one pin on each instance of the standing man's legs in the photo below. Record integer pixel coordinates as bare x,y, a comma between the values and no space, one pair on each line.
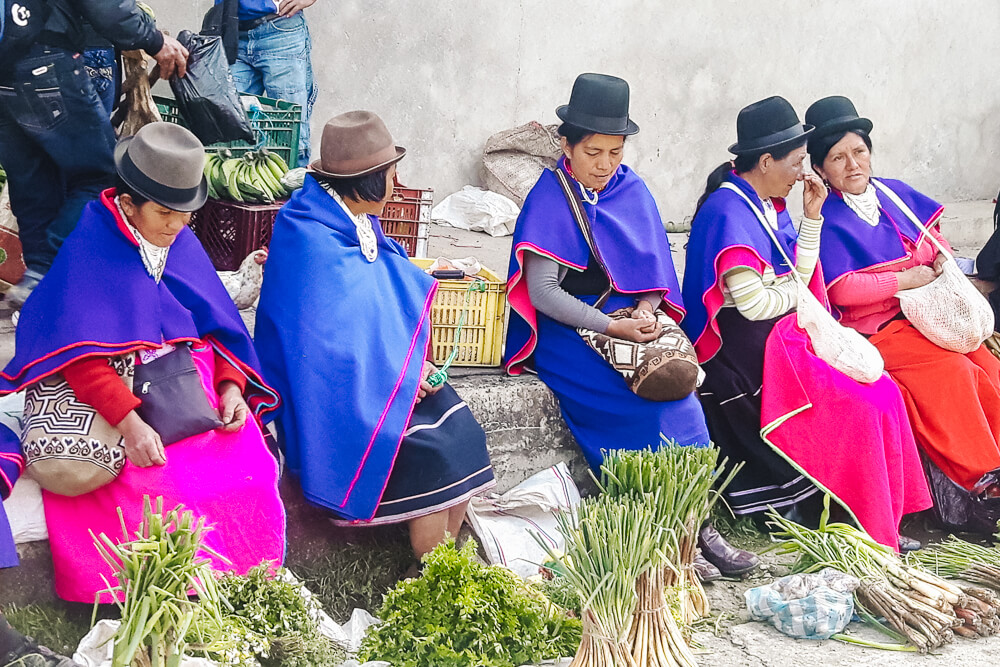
280,52
57,146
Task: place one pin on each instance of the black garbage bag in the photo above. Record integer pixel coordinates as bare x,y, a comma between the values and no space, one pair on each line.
207,96
222,20
959,510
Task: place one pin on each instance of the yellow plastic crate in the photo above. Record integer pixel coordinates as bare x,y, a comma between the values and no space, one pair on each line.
481,340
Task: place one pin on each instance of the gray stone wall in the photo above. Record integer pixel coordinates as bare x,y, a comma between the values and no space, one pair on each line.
446,75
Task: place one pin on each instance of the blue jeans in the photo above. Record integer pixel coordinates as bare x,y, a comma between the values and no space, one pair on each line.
56,145
102,69
274,61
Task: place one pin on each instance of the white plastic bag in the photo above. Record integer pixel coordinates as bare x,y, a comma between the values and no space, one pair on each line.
479,211
504,524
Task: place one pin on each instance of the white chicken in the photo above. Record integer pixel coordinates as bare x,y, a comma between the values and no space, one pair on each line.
243,284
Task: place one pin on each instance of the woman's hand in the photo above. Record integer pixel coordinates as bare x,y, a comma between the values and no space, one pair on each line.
918,276
425,387
233,410
939,263
643,311
634,330
143,446
813,195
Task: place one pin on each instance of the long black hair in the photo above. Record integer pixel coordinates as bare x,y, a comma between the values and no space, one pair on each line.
820,148
741,165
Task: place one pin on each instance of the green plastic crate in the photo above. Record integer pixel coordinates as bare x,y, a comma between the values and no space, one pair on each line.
278,123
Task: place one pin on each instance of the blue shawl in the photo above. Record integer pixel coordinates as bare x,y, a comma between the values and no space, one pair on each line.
850,244
627,231
344,342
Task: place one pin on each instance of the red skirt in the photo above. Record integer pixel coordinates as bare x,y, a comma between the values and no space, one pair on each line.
953,400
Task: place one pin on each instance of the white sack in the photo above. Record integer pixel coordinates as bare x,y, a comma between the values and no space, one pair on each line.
478,210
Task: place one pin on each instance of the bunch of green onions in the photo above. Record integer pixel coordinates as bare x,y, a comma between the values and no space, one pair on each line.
917,604
156,570
609,543
680,485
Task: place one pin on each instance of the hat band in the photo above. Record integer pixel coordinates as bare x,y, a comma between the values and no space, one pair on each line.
355,165
152,189
599,124
828,125
770,140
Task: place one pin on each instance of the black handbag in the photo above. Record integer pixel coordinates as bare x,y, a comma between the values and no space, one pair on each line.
173,398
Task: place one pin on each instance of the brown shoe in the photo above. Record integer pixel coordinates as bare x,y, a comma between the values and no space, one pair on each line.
705,570
730,561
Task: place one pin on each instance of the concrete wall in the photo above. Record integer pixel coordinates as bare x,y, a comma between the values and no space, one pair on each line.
446,75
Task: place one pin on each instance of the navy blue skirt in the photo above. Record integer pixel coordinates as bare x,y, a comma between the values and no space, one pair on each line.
442,461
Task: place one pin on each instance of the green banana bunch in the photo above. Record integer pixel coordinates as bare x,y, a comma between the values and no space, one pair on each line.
254,178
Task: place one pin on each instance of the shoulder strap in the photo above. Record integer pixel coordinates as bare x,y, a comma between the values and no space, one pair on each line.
908,212
583,222
767,227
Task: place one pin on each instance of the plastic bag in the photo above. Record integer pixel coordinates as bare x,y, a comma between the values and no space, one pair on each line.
479,211
207,96
504,523
960,510
806,606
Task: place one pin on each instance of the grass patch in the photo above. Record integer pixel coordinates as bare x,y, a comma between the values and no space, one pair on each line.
355,575
57,625
742,532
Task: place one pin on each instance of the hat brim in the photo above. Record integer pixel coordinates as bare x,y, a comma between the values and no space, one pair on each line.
774,142
316,167
595,124
842,125
187,203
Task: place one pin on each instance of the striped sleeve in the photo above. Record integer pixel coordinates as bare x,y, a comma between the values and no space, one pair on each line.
759,301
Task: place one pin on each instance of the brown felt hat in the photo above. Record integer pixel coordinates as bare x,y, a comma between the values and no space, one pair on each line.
355,143
164,163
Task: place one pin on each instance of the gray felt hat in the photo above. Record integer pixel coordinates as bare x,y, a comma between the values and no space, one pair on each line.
166,164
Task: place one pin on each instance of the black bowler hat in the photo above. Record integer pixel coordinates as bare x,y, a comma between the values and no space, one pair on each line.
835,114
768,125
164,163
599,103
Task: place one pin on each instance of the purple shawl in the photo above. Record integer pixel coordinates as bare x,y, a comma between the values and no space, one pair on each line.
98,300
11,465
725,222
629,236
850,244
344,341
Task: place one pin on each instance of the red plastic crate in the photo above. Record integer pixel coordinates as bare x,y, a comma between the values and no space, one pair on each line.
230,231
407,233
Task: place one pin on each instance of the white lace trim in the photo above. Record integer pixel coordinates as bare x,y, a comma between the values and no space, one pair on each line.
866,205
154,258
362,224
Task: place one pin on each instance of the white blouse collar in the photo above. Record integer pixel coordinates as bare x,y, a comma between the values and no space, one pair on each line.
866,205
154,258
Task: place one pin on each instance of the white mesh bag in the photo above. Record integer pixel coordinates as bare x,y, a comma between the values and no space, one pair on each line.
950,312
841,347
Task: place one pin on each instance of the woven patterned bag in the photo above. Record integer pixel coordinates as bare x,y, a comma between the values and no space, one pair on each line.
69,448
950,312
665,369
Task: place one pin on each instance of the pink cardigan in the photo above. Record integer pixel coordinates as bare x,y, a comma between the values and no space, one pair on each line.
867,299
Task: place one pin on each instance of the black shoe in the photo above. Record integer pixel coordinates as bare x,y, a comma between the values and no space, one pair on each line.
705,570
732,562
30,654
908,544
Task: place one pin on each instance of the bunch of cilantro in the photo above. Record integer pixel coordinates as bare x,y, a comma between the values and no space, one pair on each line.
460,612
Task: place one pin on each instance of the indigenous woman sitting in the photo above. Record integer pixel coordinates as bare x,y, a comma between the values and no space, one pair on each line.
343,329
795,421
132,281
872,251
556,279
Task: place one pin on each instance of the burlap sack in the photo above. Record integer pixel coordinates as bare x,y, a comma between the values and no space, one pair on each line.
514,159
